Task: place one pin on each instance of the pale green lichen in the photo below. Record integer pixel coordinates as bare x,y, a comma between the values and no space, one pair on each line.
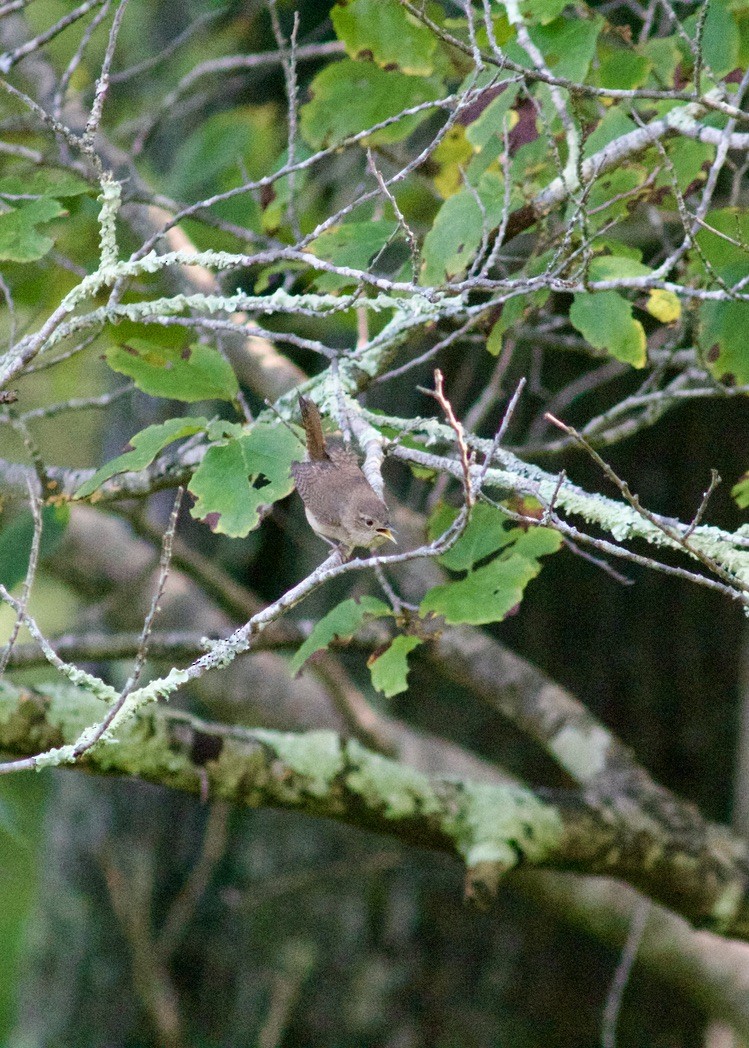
503,824
398,790
161,688
55,757
239,773
110,197
144,748
583,753
87,682
316,756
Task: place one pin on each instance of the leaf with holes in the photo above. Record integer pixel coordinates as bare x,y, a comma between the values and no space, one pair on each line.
187,373
239,476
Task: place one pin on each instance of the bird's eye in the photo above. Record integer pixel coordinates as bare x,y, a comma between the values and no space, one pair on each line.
369,522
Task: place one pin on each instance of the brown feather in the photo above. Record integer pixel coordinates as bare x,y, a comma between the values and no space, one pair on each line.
313,429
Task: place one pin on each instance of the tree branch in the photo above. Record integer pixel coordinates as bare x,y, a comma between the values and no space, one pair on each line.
493,829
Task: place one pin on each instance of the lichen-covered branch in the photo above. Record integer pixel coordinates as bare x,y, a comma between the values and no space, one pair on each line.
700,871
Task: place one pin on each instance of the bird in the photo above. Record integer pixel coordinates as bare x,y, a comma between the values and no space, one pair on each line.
341,505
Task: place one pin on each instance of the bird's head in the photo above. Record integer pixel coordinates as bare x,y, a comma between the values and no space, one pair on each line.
367,521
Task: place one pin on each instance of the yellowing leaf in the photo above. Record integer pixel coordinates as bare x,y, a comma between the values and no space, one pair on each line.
451,156
664,306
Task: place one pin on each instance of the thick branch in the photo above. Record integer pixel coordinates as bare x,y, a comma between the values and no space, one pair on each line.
705,878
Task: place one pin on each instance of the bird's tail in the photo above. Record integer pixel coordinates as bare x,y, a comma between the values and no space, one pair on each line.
313,429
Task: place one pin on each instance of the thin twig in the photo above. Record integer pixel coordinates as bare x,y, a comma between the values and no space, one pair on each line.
85,742
36,512
466,456
102,83
615,995
714,482
681,538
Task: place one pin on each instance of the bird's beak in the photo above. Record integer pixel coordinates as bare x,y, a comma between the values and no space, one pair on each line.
387,534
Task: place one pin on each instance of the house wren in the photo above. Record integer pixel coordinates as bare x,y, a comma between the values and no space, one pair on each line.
341,505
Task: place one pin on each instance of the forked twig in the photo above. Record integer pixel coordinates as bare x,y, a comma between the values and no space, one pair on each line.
681,538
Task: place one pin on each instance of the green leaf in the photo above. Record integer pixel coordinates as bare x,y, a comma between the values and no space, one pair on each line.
720,38
452,242
22,859
353,245
236,478
621,68
16,539
617,267
725,249
740,491
512,313
224,150
20,241
342,621
145,447
348,97
721,335
567,44
44,182
277,197
390,669
188,373
386,34
485,533
689,160
613,194
533,165
605,320
489,593
664,54
541,11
